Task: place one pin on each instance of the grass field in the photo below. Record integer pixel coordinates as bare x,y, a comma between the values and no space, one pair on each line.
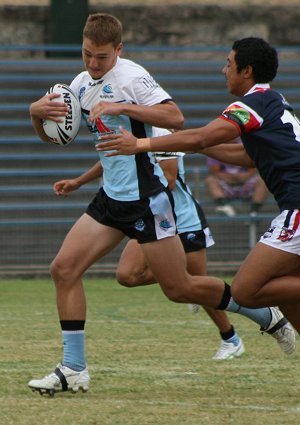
149,359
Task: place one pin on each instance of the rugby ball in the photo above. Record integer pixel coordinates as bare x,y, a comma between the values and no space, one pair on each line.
64,132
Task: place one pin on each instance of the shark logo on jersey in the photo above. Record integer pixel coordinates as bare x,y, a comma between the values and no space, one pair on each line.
139,225
106,92
165,224
107,89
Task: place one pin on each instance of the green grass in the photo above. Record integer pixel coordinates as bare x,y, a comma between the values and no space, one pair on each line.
149,359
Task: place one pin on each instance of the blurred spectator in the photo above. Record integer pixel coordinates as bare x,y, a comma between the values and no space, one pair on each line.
227,182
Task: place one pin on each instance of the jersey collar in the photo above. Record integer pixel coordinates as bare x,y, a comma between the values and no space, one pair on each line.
258,87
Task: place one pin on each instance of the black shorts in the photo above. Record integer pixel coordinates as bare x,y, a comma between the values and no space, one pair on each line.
145,220
196,240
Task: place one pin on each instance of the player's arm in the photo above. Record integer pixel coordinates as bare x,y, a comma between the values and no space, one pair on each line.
231,153
64,187
46,108
163,115
194,140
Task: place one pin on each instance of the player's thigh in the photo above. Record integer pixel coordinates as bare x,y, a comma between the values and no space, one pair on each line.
196,262
167,260
132,260
87,241
261,265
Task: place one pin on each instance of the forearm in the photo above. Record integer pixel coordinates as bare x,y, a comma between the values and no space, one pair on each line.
165,115
185,141
37,124
192,140
234,154
92,174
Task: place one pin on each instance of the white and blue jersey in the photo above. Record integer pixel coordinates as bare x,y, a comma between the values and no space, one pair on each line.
189,214
125,178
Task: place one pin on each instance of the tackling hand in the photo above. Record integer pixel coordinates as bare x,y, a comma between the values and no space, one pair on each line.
124,143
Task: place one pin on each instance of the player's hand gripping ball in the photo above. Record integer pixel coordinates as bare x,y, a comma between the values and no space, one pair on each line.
63,133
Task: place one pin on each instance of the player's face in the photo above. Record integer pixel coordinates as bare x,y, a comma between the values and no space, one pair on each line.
234,80
99,59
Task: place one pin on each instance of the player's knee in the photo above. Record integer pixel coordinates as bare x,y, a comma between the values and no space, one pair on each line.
241,297
124,279
61,271
177,295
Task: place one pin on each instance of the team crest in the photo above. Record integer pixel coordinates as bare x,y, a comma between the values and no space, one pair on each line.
165,225
286,234
139,225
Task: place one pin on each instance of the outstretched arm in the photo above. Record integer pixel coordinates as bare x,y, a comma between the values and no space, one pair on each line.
194,140
231,153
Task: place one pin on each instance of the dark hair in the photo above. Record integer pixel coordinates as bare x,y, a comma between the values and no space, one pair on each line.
257,53
102,28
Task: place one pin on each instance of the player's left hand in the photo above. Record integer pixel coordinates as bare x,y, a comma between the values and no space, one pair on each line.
121,144
64,187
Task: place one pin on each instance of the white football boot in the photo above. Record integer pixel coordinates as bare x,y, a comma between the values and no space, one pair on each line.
280,329
61,379
228,350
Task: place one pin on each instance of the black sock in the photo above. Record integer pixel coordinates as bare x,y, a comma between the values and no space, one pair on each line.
72,325
228,334
225,297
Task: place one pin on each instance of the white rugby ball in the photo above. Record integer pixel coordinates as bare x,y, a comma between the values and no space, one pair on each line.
64,132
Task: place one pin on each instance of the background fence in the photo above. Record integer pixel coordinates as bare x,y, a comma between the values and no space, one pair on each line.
34,221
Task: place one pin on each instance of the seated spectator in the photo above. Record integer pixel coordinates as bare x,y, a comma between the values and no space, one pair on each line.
227,182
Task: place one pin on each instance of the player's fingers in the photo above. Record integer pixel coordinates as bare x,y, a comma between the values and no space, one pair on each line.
105,146
114,153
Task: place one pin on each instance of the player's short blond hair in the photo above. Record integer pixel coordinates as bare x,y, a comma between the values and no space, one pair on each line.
102,28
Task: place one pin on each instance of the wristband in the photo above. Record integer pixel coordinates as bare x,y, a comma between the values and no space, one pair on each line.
144,144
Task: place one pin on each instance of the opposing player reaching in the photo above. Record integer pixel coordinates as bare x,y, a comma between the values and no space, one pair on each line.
134,200
270,133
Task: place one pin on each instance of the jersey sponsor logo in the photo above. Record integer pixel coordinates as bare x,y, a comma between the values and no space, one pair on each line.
240,114
268,233
148,82
139,225
285,102
96,83
165,224
243,115
81,92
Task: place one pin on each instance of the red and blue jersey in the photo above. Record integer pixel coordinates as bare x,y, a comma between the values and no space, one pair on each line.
270,133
